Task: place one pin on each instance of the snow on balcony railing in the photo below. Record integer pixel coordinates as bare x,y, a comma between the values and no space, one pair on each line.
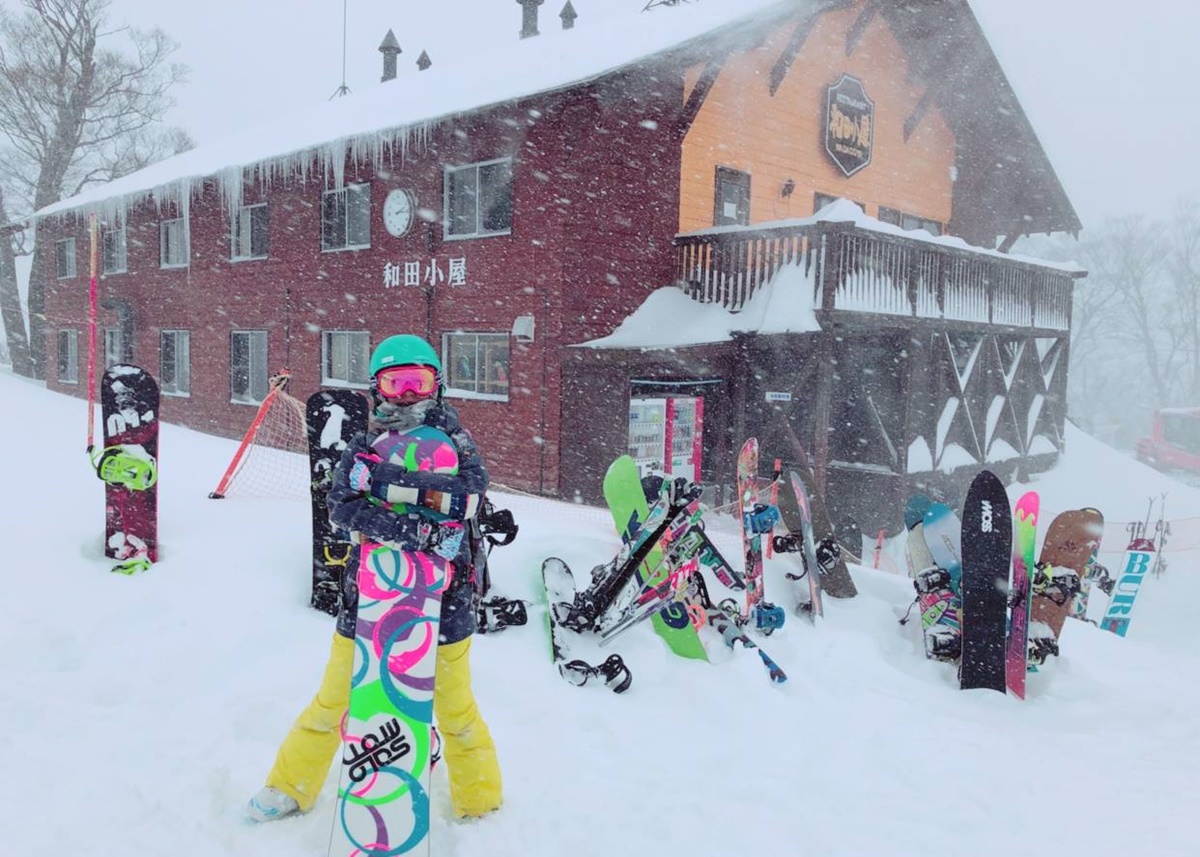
877,269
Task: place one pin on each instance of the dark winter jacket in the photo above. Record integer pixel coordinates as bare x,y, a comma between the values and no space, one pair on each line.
350,510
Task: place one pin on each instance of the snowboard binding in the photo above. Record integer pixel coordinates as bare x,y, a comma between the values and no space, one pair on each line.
613,672
132,566
1060,585
760,519
116,465
1041,648
943,644
768,617
828,553
497,613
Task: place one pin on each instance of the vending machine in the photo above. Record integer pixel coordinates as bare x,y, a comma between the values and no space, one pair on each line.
666,435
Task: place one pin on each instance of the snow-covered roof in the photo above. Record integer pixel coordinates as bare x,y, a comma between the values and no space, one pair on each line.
668,318
401,112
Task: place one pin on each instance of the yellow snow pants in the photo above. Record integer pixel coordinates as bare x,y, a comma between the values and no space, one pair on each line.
306,753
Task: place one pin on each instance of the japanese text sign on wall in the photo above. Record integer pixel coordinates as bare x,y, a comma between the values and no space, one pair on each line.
426,272
849,124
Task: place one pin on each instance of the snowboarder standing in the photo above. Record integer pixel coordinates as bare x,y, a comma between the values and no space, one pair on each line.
406,389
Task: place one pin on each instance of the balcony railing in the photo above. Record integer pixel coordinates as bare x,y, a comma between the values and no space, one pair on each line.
853,269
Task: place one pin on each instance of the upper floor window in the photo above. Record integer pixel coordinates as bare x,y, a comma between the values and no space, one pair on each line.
114,351
345,357
175,362
250,232
114,258
173,243
64,258
820,200
479,199
731,205
68,356
248,376
477,364
909,221
346,218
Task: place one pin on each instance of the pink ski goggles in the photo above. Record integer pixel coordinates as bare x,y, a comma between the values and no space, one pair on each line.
395,381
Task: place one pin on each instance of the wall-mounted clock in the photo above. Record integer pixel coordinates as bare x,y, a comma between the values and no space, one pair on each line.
399,209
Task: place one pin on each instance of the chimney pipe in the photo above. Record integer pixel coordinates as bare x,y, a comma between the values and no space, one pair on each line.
568,15
529,17
390,48
423,61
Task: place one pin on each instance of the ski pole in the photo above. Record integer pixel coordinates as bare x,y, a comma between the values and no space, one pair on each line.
93,229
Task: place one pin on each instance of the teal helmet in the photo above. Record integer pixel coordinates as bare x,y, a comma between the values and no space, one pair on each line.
404,349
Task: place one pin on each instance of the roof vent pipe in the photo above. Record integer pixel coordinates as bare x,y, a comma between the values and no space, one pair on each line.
529,16
390,48
568,15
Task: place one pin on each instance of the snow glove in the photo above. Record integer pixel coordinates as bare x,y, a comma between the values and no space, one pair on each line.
361,471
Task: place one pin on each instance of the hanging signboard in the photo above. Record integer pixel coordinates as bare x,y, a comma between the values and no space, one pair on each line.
849,124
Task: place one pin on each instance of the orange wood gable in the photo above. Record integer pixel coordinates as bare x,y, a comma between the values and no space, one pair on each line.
780,137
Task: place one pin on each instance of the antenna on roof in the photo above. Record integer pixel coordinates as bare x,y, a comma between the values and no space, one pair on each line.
343,89
652,3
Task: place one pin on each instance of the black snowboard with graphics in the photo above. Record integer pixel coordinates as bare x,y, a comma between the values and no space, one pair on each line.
333,417
986,558
128,465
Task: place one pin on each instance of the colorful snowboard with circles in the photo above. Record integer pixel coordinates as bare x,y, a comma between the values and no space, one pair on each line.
387,747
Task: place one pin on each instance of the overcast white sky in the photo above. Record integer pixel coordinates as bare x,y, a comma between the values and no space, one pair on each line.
1110,86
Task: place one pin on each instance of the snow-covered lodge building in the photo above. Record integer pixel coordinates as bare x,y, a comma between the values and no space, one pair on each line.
634,234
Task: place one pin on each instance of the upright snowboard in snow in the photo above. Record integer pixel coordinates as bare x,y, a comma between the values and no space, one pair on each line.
1016,660
941,601
383,786
627,501
986,557
1139,559
128,466
796,511
835,580
332,418
1068,551
747,482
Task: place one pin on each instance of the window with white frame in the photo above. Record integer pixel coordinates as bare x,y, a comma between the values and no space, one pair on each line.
68,356
113,251
175,362
248,366
345,357
64,258
476,364
479,199
113,351
250,232
346,218
173,243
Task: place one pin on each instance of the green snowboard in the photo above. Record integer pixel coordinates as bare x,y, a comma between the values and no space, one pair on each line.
625,498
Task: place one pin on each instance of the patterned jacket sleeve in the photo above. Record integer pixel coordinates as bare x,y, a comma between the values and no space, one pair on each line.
350,510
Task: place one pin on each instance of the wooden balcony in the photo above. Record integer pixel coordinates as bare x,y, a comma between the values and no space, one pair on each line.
860,270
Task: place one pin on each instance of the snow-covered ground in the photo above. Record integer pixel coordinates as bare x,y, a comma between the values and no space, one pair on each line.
139,713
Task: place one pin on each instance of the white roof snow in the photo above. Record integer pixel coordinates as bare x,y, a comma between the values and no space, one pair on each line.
402,111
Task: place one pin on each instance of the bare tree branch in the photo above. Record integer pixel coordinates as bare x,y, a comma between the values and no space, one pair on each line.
81,102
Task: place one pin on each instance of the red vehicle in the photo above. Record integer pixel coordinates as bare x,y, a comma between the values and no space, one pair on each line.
1174,442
